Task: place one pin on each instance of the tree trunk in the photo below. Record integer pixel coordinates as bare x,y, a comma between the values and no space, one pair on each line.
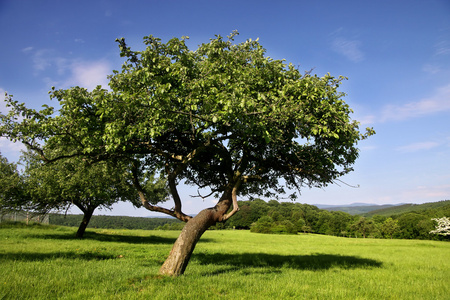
180,254
84,223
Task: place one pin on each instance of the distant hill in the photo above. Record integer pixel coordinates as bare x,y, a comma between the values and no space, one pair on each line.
405,208
355,208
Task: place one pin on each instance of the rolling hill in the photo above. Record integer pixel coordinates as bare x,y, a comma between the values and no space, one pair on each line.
405,208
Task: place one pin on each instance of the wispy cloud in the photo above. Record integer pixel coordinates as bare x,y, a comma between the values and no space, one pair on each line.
27,49
414,147
443,47
12,151
366,120
66,72
89,74
8,148
431,69
349,48
422,194
438,102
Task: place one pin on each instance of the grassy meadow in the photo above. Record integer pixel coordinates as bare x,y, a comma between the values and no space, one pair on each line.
47,262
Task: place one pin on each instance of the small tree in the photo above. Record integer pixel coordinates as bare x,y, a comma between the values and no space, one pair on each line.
74,182
442,226
389,227
263,225
363,226
11,187
223,117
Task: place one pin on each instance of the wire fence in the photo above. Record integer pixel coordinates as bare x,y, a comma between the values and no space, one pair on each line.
23,216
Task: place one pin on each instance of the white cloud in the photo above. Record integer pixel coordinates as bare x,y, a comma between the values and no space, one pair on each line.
10,150
348,48
368,148
64,72
89,74
366,120
414,147
42,60
439,102
27,49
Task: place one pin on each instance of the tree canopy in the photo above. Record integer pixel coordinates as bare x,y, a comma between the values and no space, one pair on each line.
62,184
223,117
11,186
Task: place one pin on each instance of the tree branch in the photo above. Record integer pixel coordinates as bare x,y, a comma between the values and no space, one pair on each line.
179,215
235,203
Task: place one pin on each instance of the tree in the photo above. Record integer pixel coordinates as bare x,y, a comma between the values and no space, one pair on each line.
363,226
389,227
11,186
265,224
74,182
442,226
223,117
413,225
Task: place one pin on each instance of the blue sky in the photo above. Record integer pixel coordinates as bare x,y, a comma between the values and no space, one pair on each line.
396,55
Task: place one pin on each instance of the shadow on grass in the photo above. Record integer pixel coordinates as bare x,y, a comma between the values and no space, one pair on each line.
34,256
130,239
102,237
274,262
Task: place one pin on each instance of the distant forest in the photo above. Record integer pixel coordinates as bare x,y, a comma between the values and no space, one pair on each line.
118,222
409,221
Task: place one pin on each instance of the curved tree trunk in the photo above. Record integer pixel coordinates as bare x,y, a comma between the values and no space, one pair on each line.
180,254
84,223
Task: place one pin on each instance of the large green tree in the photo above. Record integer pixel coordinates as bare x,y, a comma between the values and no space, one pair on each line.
223,117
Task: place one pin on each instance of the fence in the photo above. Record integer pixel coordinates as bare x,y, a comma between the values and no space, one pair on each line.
23,216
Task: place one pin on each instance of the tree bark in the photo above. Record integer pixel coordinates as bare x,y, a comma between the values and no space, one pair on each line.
180,254
84,223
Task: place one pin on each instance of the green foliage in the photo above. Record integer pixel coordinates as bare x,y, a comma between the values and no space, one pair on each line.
389,228
58,185
11,186
363,226
63,183
263,225
171,226
224,116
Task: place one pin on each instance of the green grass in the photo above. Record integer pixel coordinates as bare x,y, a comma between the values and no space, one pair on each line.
46,262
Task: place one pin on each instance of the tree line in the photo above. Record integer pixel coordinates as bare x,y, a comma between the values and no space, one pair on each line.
118,222
291,218
275,217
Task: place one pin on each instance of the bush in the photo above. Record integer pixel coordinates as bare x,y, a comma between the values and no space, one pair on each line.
267,225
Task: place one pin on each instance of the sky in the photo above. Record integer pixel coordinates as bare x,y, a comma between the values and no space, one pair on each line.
396,55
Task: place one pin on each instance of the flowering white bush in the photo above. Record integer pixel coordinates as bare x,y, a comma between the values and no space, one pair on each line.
442,227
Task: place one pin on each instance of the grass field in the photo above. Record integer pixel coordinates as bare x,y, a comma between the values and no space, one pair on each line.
47,262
